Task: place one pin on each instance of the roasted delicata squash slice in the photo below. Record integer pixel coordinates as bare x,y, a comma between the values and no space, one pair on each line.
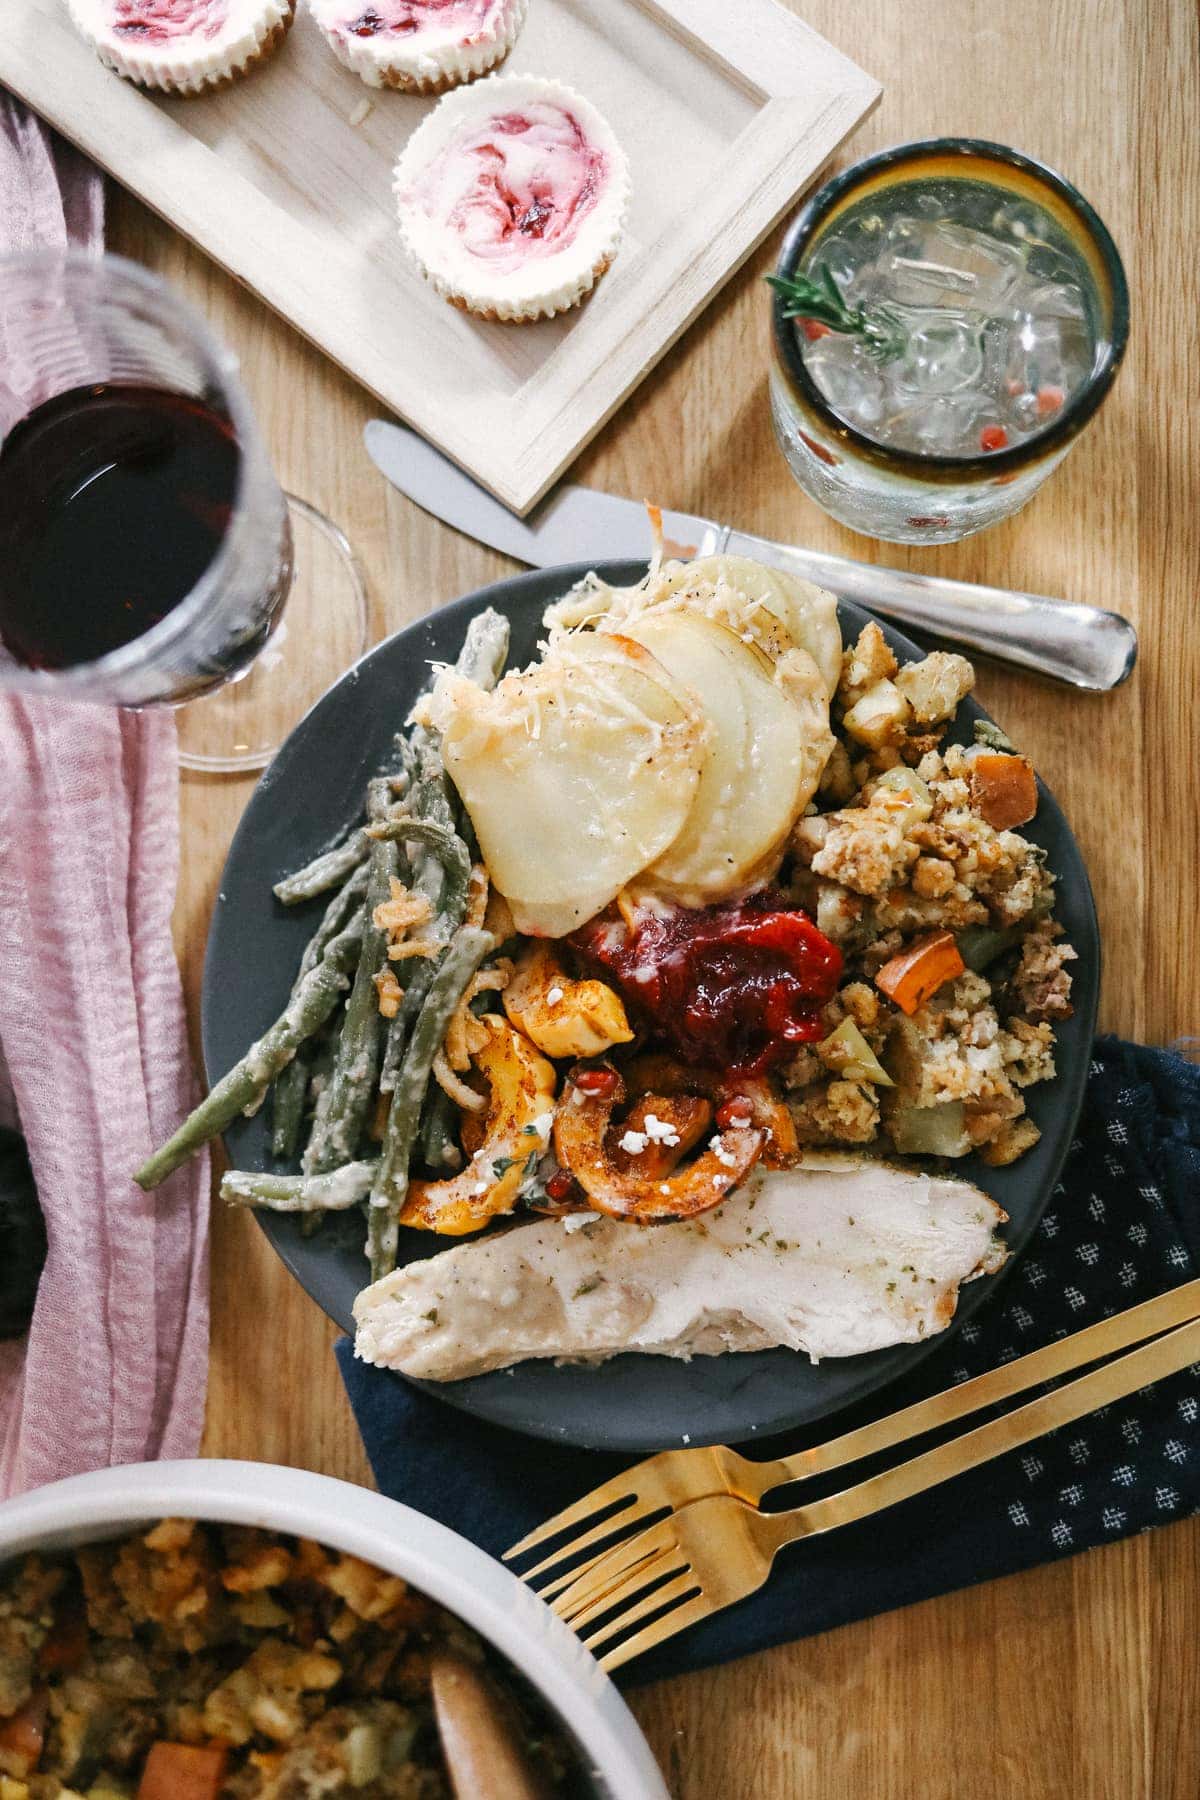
577,774
516,1132
657,1133
769,741
561,1015
582,1145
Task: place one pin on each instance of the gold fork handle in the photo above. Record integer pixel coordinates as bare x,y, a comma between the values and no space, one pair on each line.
1165,1356
1082,1347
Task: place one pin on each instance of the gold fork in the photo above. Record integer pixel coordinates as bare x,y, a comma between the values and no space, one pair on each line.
719,1550
676,1478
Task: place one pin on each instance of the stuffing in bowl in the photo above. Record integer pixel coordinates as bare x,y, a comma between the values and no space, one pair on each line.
239,1632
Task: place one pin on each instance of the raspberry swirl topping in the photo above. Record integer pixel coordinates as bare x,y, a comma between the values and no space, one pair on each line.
516,186
466,20
162,21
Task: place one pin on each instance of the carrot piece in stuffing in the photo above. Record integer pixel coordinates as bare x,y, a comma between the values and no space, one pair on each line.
918,972
183,1772
24,1732
1003,789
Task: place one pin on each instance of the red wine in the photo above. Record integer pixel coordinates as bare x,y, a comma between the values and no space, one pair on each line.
114,500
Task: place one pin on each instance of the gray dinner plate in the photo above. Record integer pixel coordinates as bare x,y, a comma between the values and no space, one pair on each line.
635,1403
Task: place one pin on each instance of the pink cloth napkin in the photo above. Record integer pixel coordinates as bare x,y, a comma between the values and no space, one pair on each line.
94,1063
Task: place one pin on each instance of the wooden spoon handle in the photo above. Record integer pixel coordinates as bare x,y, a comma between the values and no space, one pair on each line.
484,1757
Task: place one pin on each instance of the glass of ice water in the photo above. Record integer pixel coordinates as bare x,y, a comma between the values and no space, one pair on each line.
947,318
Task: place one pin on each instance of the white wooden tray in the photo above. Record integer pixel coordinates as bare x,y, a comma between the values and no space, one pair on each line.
725,108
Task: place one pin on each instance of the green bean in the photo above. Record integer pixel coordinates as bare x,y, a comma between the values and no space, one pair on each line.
415,976
439,1120
306,1012
442,841
356,1066
481,659
292,1085
287,1108
485,649
328,870
337,1190
462,957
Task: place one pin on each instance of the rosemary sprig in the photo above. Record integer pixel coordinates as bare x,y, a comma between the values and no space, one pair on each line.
821,299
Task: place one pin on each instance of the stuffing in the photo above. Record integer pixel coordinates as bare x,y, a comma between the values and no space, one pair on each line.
879,719
934,686
865,663
266,1695
954,1049
838,912
839,1112
862,1004
865,849
1028,1052
932,877
1041,985
906,911
1012,1140
313,1682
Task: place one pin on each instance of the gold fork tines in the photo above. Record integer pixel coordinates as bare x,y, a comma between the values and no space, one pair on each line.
677,1478
718,1550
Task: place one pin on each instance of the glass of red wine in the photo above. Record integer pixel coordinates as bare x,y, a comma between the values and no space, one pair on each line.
147,549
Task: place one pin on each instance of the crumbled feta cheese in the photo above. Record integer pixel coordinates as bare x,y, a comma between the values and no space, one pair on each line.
577,1221
543,1122
554,995
660,1131
634,1142
481,1187
717,1146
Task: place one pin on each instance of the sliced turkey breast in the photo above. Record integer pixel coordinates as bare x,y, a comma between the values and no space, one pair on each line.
832,1261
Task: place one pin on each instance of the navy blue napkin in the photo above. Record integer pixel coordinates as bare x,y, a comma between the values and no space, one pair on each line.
1122,1226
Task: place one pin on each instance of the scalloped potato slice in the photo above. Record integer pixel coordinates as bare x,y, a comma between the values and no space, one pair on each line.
733,591
576,773
812,618
770,741
780,612
794,613
704,657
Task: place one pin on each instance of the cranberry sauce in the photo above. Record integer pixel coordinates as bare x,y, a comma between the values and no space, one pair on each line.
731,987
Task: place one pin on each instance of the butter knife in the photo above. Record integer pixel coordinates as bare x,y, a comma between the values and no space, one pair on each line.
1083,646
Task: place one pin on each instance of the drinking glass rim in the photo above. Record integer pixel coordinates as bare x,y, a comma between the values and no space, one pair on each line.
176,624
931,464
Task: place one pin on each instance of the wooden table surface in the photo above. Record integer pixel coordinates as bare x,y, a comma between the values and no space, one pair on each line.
1076,1680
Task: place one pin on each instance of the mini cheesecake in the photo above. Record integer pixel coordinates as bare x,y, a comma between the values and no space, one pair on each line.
182,46
512,197
421,46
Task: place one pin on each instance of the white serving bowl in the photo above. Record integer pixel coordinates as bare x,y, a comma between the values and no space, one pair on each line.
437,1561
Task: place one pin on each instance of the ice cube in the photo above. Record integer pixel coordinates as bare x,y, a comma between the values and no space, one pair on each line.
950,424
1047,351
848,376
1054,300
945,264
943,352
